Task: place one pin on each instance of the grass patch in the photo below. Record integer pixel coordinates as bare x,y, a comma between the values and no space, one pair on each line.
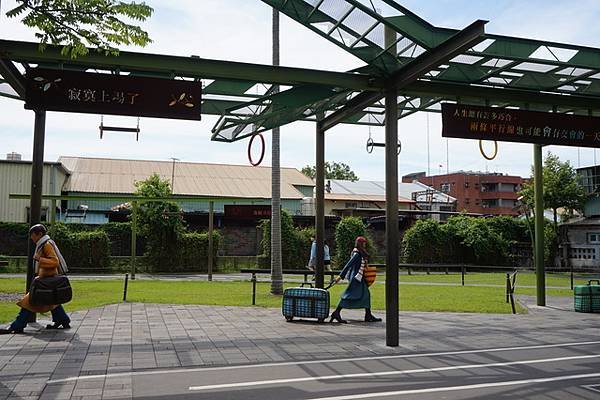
496,278
89,294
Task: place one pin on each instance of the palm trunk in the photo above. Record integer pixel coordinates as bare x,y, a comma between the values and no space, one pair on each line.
276,270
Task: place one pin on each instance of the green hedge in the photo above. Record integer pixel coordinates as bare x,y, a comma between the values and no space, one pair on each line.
82,249
295,243
346,232
14,238
469,240
191,255
424,242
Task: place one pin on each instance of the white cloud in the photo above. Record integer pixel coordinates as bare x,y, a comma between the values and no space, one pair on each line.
240,30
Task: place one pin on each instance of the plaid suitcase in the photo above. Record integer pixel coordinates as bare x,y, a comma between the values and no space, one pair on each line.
301,302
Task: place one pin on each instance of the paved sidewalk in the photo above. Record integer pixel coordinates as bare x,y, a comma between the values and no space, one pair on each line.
106,344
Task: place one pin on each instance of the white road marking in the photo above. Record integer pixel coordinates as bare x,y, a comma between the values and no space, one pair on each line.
387,373
330,361
455,388
593,388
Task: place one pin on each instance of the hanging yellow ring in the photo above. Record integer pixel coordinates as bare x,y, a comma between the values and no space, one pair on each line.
483,152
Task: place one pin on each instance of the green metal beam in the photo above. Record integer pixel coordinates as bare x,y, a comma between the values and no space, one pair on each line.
128,198
454,90
28,52
413,70
12,76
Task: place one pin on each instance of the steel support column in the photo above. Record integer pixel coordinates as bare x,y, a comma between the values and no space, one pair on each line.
134,211
37,174
211,215
538,258
391,219
320,207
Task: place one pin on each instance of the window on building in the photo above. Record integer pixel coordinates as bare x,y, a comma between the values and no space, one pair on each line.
445,187
466,185
594,237
351,205
582,253
489,203
43,215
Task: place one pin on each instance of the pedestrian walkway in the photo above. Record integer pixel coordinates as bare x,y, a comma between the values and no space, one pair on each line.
109,345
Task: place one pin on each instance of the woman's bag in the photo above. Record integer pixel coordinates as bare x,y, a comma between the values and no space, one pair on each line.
51,290
370,274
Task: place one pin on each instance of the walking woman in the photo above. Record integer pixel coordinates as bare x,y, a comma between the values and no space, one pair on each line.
357,293
48,262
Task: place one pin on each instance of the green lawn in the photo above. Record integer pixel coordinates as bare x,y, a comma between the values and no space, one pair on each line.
88,294
496,278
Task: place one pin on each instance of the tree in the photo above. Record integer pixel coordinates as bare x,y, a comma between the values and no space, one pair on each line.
276,228
76,24
333,170
159,221
562,188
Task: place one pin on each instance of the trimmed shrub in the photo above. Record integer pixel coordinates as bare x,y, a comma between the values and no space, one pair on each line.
510,228
474,241
463,239
14,238
346,232
295,243
424,242
550,243
193,251
82,249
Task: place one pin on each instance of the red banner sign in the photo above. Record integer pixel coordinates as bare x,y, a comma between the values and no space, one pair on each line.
248,211
507,125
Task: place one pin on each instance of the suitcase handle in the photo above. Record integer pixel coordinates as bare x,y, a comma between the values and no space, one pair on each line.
306,283
593,280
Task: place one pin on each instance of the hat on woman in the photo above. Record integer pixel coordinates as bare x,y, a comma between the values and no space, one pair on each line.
38,228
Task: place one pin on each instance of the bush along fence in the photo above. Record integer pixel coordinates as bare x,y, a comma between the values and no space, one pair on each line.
87,248
295,243
106,248
469,240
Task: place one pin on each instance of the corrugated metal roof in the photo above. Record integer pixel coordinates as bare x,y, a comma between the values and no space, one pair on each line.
107,175
362,197
29,162
377,189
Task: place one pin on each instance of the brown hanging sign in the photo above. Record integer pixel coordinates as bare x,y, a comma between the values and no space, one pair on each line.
508,125
84,92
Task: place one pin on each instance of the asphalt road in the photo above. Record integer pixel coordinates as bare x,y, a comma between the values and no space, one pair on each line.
545,371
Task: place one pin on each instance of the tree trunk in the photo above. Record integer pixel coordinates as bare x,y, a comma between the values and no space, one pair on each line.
555,210
276,270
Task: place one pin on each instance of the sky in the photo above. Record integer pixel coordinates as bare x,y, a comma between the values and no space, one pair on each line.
240,30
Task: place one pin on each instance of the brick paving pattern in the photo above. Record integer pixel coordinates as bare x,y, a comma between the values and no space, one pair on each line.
121,338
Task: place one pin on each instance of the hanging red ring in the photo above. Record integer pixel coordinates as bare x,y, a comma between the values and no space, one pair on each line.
262,153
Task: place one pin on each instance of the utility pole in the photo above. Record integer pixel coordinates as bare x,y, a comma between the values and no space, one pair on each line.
173,175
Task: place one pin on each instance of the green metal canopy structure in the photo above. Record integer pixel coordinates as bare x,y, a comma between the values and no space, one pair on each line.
409,66
498,71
